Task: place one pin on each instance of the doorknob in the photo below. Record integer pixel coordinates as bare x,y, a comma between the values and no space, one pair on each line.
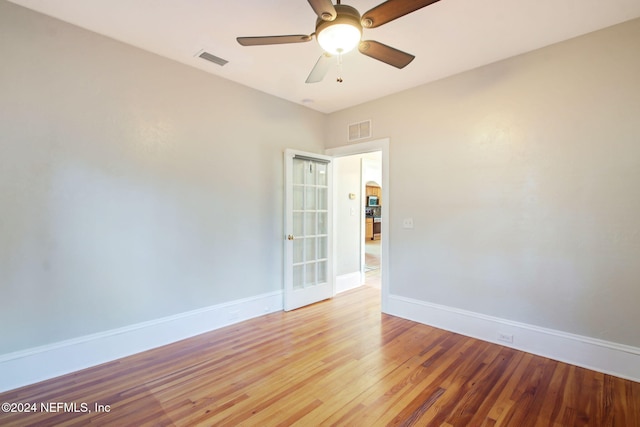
290,237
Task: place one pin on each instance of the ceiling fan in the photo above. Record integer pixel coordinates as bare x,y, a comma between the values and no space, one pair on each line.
339,30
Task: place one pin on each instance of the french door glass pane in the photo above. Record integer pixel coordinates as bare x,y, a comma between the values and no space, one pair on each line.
298,251
322,223
322,272
321,168
310,198
298,224
298,171
310,223
310,275
310,249
298,197
311,169
322,247
310,226
322,198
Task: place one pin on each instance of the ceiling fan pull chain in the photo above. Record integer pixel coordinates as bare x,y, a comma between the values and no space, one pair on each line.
339,79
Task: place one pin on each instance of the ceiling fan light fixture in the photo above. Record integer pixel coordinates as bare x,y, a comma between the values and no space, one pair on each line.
339,38
342,34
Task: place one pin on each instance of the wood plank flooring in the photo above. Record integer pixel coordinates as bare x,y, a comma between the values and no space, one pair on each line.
339,362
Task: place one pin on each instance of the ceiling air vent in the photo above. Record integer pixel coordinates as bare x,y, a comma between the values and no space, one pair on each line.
211,58
360,130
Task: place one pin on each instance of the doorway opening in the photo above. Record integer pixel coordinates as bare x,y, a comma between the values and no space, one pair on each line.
371,177
361,255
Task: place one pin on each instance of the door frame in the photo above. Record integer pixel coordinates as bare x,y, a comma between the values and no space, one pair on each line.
363,148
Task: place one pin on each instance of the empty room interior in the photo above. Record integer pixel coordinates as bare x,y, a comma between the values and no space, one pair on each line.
438,227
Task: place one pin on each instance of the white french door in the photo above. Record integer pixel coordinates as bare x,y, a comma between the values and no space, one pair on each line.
308,270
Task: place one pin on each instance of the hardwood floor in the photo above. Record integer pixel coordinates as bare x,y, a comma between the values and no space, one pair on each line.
372,263
339,362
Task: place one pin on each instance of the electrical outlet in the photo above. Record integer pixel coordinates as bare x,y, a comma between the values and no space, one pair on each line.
505,337
407,223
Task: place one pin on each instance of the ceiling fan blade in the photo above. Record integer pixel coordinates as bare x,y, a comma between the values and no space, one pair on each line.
390,10
384,53
320,69
324,9
266,40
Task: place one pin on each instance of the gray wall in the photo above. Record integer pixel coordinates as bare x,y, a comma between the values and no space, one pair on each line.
522,180
131,187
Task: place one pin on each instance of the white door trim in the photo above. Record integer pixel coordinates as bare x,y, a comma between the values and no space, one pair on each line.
368,147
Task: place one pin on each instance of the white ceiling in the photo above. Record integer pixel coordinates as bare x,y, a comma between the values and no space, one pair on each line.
447,37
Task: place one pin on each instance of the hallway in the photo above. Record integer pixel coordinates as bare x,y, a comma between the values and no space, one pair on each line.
372,254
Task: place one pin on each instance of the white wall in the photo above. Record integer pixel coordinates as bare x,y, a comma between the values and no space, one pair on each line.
131,187
372,168
521,178
347,176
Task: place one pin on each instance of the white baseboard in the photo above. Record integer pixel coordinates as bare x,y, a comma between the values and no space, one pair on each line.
603,356
41,363
348,281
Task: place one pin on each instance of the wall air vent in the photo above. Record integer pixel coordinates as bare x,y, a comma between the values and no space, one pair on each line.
211,58
360,130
